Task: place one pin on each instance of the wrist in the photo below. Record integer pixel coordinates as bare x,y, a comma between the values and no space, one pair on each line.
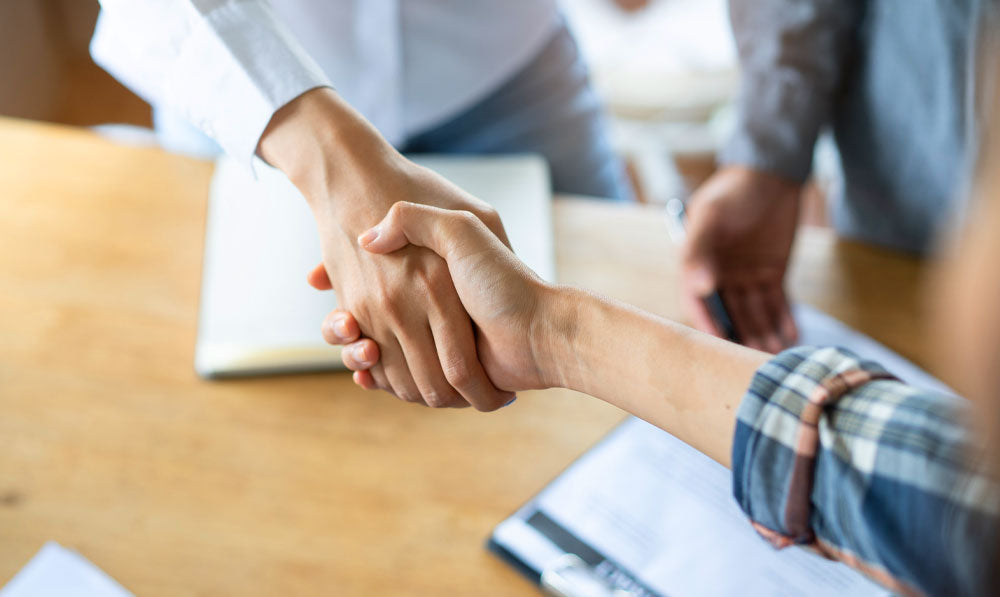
766,183
326,148
555,335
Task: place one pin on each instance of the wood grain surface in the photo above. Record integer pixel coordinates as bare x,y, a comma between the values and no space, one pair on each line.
296,485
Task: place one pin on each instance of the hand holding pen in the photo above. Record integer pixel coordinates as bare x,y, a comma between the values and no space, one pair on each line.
740,226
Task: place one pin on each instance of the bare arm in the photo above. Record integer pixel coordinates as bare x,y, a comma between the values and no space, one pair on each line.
679,379
536,335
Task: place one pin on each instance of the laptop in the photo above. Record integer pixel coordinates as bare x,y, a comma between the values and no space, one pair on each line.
259,316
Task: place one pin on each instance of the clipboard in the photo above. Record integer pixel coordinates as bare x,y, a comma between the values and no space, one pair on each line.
644,514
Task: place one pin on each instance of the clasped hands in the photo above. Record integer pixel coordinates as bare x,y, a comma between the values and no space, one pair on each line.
508,304
421,343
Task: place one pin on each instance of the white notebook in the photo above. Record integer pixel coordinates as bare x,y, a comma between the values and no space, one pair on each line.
257,313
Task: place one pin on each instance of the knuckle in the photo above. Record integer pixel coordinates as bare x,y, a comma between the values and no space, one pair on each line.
458,372
487,213
438,399
460,219
408,396
468,218
397,209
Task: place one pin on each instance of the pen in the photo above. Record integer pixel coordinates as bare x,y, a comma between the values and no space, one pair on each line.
713,302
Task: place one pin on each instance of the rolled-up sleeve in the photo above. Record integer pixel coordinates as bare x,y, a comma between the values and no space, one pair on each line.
225,65
792,56
831,451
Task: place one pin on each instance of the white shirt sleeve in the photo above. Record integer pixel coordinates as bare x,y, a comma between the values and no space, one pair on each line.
226,65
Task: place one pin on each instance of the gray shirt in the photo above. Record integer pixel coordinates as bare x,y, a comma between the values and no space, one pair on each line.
893,79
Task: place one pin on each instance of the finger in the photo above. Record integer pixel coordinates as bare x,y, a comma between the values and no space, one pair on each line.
699,317
456,351
693,293
319,279
781,311
698,278
745,325
339,328
762,322
421,356
397,372
491,218
377,374
365,380
439,230
361,355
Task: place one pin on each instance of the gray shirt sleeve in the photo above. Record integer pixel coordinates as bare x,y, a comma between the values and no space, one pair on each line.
792,56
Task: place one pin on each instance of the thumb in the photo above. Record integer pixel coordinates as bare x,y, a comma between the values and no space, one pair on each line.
421,225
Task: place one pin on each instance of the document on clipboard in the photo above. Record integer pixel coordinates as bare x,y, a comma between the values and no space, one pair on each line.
644,514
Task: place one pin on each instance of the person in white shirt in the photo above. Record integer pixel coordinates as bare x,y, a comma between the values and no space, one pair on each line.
328,90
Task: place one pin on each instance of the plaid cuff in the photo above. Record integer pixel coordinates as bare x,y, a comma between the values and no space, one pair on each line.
777,436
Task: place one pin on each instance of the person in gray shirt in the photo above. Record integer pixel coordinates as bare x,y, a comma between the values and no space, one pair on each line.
894,80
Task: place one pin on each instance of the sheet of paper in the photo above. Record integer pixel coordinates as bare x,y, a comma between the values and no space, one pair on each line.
56,570
664,512
819,329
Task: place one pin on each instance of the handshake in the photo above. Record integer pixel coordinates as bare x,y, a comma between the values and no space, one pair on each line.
470,329
435,307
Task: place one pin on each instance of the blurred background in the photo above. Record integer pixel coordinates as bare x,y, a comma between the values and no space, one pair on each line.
666,68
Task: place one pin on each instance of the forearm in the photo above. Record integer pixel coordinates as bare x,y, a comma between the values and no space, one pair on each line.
676,378
327,149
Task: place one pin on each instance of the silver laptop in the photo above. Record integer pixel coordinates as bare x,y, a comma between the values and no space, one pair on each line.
258,315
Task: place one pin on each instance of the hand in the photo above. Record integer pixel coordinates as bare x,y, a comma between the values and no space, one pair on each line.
741,224
406,303
501,294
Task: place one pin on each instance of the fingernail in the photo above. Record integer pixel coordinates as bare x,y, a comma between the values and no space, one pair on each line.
368,236
340,327
360,354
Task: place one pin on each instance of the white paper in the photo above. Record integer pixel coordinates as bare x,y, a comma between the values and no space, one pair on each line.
665,512
57,571
819,329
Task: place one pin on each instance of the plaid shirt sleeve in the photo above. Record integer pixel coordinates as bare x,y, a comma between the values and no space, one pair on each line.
833,452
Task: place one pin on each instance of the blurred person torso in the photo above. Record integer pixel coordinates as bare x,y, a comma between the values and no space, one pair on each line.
410,64
905,122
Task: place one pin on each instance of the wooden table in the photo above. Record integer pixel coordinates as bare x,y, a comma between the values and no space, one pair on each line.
292,485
